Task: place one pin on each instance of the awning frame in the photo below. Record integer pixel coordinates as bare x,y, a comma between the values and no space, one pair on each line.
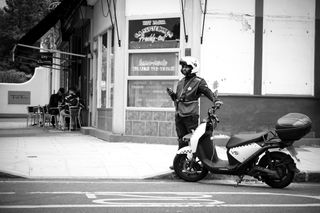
203,21
184,22
46,50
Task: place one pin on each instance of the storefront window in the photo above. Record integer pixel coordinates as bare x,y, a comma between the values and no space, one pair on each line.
151,93
106,78
111,69
103,85
153,61
288,47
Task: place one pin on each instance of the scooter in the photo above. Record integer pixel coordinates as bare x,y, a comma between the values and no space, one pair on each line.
260,155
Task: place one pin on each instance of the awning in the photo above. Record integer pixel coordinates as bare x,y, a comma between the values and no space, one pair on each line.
62,11
25,54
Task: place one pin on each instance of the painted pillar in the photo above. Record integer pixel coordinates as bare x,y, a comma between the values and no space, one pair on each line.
196,29
118,117
56,74
193,22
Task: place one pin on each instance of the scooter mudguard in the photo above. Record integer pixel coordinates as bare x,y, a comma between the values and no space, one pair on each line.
185,150
194,140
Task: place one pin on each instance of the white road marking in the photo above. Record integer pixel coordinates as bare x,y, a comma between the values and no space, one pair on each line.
185,205
162,199
94,194
7,193
89,182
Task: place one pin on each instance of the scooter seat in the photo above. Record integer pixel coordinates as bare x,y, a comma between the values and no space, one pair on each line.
243,139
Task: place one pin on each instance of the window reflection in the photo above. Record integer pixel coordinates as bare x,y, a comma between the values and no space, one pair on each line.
149,93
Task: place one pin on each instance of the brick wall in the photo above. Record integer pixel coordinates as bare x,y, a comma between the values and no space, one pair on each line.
150,123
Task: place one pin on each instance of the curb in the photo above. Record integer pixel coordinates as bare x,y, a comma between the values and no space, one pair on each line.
301,177
4,175
313,177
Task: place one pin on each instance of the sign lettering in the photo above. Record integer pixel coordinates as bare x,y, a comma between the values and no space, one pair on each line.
154,33
153,64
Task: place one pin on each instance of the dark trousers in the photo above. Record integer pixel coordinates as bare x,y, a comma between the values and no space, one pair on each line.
53,112
184,126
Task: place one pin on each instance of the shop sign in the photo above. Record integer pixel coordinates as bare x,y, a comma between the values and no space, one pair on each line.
154,33
153,64
45,59
19,97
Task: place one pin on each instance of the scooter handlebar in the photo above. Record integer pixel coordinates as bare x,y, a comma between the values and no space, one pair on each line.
212,111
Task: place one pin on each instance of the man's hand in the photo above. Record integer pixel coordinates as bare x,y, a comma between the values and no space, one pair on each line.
170,91
171,94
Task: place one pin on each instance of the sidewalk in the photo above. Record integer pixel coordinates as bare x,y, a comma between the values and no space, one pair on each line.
73,155
46,153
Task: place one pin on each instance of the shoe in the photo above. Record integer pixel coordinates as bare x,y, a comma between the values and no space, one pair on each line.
171,167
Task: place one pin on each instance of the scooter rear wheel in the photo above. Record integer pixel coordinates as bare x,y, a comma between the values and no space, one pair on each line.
279,162
189,170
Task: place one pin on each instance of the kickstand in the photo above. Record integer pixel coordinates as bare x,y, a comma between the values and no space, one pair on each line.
239,180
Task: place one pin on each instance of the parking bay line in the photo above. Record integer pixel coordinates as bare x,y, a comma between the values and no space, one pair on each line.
173,199
184,205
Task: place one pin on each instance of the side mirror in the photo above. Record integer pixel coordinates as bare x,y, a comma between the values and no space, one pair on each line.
218,103
215,93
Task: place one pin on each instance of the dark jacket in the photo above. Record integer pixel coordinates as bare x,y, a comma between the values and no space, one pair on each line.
70,101
54,100
189,90
53,104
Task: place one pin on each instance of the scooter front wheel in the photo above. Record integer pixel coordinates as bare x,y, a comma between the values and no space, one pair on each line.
189,170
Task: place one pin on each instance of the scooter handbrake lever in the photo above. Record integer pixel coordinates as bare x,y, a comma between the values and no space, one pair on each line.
216,118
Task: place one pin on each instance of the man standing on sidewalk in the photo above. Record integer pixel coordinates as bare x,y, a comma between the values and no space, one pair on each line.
186,98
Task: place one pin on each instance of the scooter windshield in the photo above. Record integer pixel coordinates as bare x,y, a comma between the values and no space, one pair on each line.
201,129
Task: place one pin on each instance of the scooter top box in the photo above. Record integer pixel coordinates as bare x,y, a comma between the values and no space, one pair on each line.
293,126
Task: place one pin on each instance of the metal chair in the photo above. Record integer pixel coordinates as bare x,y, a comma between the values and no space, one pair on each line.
38,115
79,117
30,115
74,117
47,117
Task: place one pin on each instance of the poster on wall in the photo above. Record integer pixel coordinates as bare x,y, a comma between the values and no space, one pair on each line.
19,97
154,33
153,64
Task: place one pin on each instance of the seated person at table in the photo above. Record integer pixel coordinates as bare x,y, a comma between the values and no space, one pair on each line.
55,100
72,100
